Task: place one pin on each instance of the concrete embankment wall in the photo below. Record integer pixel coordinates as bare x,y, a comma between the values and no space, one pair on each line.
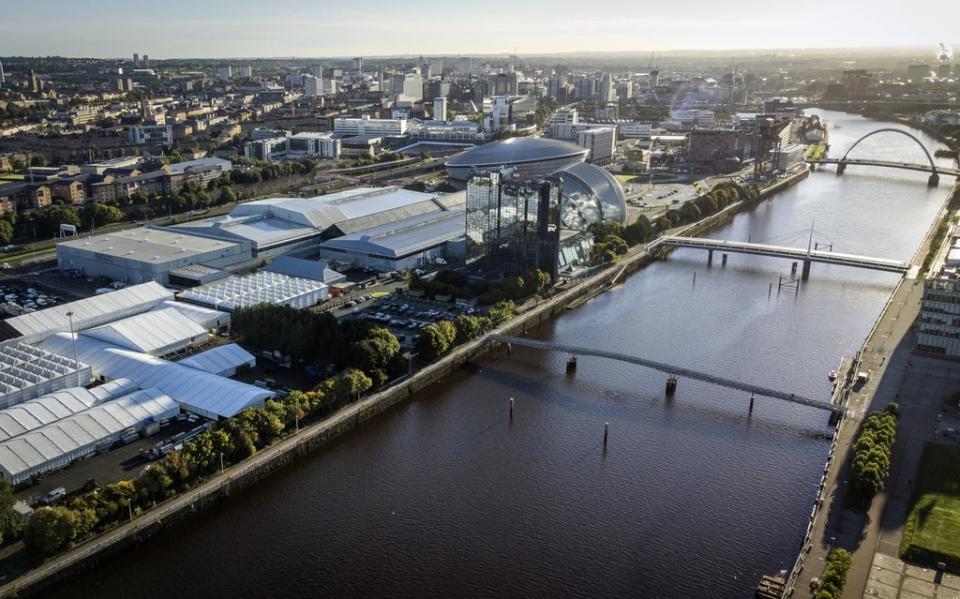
311,437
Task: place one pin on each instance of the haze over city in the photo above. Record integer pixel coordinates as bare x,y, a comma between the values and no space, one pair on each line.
247,28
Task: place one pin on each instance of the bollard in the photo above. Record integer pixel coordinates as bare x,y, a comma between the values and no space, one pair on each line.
606,432
512,402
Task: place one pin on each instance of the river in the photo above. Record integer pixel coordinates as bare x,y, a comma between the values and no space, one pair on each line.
445,496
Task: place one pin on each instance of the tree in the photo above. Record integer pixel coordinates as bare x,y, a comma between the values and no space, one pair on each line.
616,244
7,517
49,219
468,327
50,529
350,383
431,343
6,232
501,312
101,214
38,160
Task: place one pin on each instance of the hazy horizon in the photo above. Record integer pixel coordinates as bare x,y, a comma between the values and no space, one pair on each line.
296,28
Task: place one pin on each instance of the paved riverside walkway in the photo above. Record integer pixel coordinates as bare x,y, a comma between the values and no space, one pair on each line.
891,578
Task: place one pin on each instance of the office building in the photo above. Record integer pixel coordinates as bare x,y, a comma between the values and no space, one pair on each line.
600,141
440,109
369,127
714,145
938,328
153,135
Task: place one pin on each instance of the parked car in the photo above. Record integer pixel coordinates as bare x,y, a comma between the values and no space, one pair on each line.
53,496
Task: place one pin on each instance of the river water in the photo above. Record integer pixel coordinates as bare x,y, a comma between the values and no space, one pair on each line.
445,496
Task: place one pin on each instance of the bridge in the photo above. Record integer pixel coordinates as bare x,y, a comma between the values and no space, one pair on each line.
931,167
673,371
807,255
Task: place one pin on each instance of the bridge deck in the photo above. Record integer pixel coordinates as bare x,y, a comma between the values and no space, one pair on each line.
760,249
669,369
887,163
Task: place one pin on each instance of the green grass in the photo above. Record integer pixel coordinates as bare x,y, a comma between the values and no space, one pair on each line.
931,533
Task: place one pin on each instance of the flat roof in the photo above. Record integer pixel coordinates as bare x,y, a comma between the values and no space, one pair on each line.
149,244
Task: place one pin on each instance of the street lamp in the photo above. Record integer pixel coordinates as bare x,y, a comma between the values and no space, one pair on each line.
73,336
221,462
297,422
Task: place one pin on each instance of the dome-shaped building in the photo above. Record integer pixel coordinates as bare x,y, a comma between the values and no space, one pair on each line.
590,195
532,157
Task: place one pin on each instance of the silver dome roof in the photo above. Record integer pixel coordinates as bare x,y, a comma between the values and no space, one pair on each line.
591,195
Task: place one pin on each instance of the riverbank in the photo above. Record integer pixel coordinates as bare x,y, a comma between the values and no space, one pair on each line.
309,438
831,524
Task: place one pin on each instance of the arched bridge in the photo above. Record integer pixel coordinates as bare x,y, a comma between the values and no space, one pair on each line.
673,371
931,166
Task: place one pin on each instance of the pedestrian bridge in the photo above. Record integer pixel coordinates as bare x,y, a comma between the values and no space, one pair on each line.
778,251
673,371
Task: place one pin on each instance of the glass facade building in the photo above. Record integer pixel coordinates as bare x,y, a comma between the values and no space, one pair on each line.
513,223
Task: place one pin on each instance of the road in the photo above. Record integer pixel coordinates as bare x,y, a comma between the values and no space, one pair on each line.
887,356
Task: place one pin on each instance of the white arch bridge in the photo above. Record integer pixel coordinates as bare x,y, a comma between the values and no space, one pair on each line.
673,371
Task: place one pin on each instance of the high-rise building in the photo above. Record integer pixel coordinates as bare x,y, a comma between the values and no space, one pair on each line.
146,61
246,71
513,224
34,82
413,86
225,72
317,71
440,109
3,78
653,81
358,64
601,141
136,59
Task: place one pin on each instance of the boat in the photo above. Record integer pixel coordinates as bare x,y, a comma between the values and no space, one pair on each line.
832,375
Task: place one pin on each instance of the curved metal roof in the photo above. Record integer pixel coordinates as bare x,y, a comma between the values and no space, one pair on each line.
516,150
591,195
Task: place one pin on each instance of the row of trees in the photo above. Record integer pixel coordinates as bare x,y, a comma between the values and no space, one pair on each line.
612,240
313,337
440,337
52,529
870,465
516,287
834,574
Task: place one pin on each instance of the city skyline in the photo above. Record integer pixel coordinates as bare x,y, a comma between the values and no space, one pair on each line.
297,28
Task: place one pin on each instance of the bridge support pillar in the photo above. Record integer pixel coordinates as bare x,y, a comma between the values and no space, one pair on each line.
934,180
671,386
805,273
841,166
750,411
709,257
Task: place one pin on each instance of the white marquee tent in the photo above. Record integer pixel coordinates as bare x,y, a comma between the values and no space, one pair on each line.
57,444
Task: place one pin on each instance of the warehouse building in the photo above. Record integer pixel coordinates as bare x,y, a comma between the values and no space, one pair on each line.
316,270
59,443
196,391
50,408
86,313
402,245
158,332
145,254
262,287
27,372
224,360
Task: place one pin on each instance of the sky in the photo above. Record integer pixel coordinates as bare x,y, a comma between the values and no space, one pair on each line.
321,28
